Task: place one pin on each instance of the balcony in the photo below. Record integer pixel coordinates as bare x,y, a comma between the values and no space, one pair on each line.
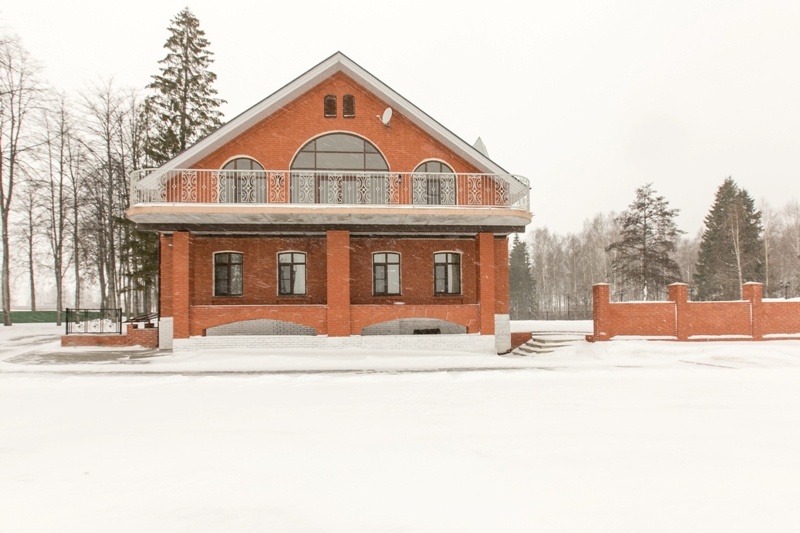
235,199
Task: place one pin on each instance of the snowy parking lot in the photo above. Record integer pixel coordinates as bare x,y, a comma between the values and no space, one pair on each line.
627,435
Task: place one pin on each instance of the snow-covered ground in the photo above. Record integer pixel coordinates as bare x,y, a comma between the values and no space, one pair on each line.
626,435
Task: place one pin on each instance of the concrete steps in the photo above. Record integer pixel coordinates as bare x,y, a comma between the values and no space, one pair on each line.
543,343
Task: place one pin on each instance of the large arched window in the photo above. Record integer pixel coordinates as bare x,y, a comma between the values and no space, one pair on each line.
434,183
242,180
339,168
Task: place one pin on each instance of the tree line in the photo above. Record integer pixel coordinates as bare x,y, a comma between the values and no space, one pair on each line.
65,161
640,251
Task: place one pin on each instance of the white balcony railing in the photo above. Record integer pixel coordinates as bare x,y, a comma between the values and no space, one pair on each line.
328,188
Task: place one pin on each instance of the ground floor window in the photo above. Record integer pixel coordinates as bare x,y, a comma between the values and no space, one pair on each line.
447,273
385,273
227,274
291,273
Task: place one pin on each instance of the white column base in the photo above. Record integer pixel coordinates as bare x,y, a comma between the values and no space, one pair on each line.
165,333
502,333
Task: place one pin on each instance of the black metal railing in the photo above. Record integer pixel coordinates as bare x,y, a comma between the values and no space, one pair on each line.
95,321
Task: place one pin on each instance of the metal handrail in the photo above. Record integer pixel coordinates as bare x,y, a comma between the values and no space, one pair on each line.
333,187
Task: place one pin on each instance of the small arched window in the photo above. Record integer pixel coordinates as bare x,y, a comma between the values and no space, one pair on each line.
330,106
349,106
434,183
242,180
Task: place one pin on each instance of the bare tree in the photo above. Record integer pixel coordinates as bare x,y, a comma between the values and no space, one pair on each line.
55,192
28,232
19,91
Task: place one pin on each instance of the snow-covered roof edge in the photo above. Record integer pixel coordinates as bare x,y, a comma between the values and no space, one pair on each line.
338,62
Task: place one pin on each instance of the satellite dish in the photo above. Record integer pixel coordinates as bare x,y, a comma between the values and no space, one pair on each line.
387,116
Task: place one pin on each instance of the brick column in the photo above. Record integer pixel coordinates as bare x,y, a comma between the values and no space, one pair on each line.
165,276
753,291
679,293
501,275
485,242
338,283
181,243
601,312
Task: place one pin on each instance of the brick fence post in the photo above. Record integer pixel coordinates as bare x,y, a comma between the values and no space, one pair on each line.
679,294
753,291
601,312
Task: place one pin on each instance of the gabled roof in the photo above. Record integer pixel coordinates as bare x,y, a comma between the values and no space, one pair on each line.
338,62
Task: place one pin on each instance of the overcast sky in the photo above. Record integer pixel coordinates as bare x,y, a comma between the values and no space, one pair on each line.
587,99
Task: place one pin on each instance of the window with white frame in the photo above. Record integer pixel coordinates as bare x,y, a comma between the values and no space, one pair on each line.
385,273
291,273
447,273
228,274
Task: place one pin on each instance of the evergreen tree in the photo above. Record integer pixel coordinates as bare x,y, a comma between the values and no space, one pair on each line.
731,251
183,107
521,288
647,237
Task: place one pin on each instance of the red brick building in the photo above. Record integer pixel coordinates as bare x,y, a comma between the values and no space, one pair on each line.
333,212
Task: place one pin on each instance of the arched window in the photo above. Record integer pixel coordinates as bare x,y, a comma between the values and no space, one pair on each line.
242,180
349,106
228,274
336,169
330,106
339,151
447,273
434,183
385,273
291,273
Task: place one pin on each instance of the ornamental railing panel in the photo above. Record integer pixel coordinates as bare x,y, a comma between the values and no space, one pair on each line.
94,321
329,188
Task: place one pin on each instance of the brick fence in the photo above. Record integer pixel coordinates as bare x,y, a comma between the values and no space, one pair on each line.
679,319
146,338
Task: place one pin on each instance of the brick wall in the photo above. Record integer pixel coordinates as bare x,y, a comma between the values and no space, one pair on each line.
260,269
519,338
416,265
680,319
207,316
146,338
275,140
354,263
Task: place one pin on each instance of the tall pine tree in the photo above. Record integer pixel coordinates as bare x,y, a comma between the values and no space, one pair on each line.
731,250
521,286
642,254
183,107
